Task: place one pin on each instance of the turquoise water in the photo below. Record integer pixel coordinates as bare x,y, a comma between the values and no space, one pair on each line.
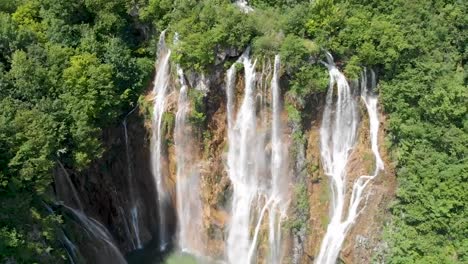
181,258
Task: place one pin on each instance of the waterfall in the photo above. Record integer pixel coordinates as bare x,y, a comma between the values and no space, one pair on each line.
241,157
279,184
189,208
134,201
371,100
64,187
337,139
259,188
109,251
161,83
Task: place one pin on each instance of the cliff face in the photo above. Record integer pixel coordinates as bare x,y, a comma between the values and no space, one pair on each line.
106,195
114,184
364,240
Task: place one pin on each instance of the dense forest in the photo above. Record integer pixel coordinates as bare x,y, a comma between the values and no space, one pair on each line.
70,69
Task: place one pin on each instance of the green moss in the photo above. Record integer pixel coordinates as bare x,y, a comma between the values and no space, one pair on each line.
293,114
146,107
167,128
197,116
300,217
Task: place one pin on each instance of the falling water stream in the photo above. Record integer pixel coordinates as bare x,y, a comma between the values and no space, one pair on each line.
259,187
160,89
109,252
337,138
279,191
189,208
241,157
103,241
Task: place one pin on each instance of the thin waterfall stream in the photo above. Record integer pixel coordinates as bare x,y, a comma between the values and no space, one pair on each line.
337,138
134,199
189,207
160,89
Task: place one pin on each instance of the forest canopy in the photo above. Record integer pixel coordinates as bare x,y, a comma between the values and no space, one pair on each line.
69,69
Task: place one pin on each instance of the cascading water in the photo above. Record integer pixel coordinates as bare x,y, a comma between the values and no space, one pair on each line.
161,83
109,252
103,241
241,171
258,189
337,138
189,208
371,100
278,170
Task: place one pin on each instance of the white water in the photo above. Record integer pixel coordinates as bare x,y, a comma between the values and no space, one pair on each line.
241,171
95,229
91,226
337,138
64,186
259,187
244,6
161,83
370,100
279,183
134,202
189,207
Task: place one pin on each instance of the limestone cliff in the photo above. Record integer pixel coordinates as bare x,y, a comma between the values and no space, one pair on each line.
104,187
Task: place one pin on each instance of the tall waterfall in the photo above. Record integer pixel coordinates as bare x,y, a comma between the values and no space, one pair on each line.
278,171
337,139
189,207
258,188
161,83
241,169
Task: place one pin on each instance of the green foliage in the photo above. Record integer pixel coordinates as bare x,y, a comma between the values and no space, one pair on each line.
294,52
300,207
293,113
326,19
205,28
89,99
67,70
197,115
267,45
168,123
33,239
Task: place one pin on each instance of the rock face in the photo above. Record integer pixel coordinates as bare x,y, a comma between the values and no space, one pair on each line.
104,188
104,192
